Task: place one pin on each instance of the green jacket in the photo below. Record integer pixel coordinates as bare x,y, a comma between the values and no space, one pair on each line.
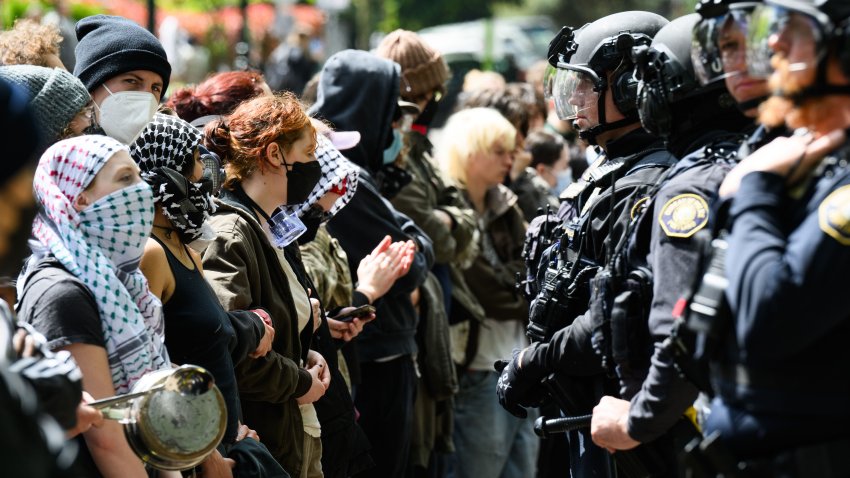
244,271
492,276
457,246
427,192
327,265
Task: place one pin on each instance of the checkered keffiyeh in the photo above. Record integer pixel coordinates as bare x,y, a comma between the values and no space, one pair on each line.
335,168
102,246
170,142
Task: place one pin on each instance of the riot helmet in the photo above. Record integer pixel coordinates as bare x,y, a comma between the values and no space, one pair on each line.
719,49
668,87
823,23
585,58
713,61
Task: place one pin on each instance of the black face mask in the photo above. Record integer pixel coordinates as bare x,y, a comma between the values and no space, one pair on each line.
312,218
428,113
300,181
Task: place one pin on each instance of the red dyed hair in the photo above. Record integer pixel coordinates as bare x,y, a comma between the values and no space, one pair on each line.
241,139
219,94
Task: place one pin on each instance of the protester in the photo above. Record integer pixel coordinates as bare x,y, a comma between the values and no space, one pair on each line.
62,109
359,92
36,390
125,69
167,153
538,186
344,444
218,95
440,211
59,100
85,260
268,146
475,152
31,43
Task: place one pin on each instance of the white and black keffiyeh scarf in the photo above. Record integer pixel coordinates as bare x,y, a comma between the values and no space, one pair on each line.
102,245
335,169
169,142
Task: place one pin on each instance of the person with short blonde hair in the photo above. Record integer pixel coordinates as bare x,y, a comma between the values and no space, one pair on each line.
469,133
476,151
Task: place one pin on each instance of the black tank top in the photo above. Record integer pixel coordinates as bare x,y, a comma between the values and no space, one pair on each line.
198,332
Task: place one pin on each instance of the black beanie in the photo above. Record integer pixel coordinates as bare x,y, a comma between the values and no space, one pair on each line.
109,46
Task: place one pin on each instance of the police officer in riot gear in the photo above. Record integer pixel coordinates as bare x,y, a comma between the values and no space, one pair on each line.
593,86
696,111
590,63
782,390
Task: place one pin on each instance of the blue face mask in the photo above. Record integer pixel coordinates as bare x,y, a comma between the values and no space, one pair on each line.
562,180
392,152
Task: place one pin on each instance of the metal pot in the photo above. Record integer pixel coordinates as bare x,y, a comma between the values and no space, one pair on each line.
170,430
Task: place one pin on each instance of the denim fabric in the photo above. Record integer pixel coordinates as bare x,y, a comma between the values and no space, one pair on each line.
489,441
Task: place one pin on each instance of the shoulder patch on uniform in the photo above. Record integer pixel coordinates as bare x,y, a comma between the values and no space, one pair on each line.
683,215
639,207
834,215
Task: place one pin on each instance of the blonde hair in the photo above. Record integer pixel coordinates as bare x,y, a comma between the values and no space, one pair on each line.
471,132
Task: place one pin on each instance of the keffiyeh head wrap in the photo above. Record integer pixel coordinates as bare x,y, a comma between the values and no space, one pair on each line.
102,245
169,142
335,169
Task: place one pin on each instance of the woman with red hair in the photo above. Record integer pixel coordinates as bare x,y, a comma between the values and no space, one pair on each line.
268,147
219,94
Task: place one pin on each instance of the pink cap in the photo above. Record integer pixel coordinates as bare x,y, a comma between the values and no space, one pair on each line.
343,140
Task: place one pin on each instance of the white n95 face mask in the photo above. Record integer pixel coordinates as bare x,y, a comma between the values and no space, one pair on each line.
125,114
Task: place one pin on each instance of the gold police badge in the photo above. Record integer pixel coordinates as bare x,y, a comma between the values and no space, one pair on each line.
683,215
834,215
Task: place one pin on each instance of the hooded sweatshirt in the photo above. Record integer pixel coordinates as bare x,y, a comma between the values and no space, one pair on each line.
358,92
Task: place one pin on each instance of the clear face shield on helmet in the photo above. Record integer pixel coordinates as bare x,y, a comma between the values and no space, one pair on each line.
771,25
719,44
575,91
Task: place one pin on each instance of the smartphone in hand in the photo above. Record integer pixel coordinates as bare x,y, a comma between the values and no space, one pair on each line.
359,312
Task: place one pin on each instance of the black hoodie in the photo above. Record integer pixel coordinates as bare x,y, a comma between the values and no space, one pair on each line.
358,91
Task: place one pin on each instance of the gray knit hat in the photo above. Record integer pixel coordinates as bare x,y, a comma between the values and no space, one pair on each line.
56,96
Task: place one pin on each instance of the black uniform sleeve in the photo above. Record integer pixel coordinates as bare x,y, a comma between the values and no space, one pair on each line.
570,351
780,282
661,402
664,395
62,309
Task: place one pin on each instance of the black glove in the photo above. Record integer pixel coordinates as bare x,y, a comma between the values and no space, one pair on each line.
519,383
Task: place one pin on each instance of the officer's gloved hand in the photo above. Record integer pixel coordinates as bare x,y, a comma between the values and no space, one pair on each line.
519,383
